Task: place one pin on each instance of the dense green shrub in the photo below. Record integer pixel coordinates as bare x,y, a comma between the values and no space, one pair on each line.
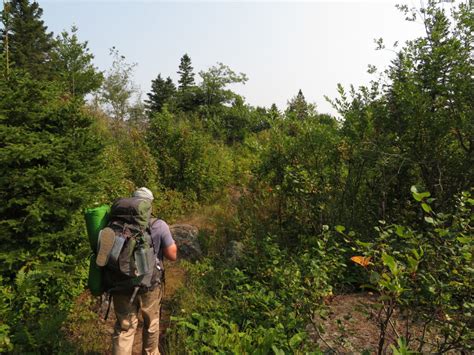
264,303
426,274
297,178
414,127
187,158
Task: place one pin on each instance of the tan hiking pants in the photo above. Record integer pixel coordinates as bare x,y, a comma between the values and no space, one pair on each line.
127,321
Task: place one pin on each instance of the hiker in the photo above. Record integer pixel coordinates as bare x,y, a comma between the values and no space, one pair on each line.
146,298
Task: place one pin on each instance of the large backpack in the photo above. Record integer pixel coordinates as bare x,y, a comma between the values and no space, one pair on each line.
132,262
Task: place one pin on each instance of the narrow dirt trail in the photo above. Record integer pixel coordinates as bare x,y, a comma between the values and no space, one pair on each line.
175,278
92,335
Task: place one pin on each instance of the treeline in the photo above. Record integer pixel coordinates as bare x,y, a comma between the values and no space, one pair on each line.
73,136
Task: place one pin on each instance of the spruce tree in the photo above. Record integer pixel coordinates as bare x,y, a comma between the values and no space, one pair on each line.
72,65
5,37
29,43
46,142
273,113
162,91
49,172
186,75
298,107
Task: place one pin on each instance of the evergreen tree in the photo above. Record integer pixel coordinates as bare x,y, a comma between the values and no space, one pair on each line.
161,92
186,75
49,172
72,65
273,113
298,107
46,141
25,37
5,36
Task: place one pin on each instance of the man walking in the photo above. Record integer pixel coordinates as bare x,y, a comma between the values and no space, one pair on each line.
145,299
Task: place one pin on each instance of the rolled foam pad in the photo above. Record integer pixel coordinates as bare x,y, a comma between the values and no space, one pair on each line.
95,282
96,219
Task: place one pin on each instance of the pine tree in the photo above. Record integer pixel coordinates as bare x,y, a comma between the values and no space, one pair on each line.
162,91
29,43
186,75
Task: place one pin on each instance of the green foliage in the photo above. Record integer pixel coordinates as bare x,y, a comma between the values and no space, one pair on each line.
235,123
186,75
114,180
427,274
214,83
44,185
187,159
297,174
264,304
415,129
402,348
72,63
289,176
311,171
298,108
25,40
45,142
162,92
136,155
117,88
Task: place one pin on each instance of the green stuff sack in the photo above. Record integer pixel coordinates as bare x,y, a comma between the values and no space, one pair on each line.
96,219
95,282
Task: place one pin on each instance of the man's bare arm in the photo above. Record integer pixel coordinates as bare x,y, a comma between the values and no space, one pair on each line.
171,252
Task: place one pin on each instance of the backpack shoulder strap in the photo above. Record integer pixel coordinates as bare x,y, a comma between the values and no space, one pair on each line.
157,253
152,221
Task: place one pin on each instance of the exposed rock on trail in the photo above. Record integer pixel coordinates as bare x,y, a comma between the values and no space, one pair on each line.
234,251
186,238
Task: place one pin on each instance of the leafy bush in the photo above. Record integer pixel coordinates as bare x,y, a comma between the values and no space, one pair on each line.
187,159
264,304
427,274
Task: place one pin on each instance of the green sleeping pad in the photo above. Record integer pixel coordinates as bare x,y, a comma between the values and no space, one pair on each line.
95,282
96,219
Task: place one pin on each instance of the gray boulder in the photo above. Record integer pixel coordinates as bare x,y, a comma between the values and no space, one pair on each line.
186,238
234,251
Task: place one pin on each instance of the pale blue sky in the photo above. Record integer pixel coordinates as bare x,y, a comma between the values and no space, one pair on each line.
281,46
